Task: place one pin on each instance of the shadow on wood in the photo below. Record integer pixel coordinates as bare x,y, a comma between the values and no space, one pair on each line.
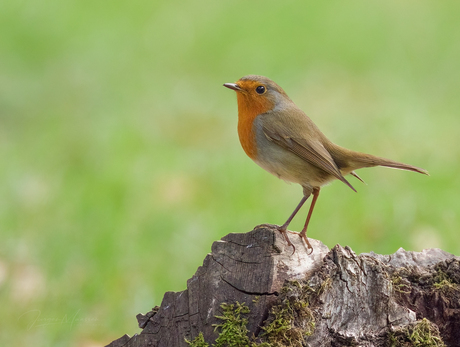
329,298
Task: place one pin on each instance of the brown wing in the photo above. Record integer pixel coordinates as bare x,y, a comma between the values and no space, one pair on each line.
312,151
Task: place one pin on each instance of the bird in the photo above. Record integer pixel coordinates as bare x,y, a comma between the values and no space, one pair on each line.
279,137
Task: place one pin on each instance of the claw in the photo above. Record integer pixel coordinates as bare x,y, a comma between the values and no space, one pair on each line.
284,233
309,246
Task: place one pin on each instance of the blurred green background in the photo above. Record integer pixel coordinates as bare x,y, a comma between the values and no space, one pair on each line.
120,161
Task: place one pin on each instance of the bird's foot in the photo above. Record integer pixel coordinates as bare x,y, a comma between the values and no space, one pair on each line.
303,235
284,232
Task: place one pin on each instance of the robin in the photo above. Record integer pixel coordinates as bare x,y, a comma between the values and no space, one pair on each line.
279,137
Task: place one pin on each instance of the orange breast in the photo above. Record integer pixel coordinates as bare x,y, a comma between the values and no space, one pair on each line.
248,109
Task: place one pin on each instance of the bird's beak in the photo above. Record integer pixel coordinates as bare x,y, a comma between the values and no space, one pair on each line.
233,86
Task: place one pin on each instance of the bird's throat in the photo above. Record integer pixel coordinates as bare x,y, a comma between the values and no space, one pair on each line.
247,137
248,110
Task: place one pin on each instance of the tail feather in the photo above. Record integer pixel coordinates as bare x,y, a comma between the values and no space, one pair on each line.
368,160
356,175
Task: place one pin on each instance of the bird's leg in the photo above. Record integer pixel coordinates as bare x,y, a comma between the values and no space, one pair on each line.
303,233
283,229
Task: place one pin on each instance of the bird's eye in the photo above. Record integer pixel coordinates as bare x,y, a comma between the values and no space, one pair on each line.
260,89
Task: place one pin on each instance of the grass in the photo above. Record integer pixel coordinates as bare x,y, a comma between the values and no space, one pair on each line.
120,163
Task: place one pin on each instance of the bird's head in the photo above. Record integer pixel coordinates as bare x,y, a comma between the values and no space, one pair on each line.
257,95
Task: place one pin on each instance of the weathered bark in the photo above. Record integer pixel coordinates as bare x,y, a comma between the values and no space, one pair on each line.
345,299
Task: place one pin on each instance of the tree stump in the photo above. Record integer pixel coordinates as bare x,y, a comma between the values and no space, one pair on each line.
251,288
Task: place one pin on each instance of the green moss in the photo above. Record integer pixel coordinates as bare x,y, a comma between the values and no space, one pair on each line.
198,341
401,285
421,334
444,283
292,320
233,329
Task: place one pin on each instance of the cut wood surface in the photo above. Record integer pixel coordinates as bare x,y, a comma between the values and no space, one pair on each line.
327,298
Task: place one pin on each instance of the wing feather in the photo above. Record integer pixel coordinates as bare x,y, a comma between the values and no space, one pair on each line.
311,151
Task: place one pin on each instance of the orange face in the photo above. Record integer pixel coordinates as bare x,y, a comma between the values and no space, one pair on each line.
252,101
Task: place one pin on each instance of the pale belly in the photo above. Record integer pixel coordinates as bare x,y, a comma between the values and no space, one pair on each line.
291,168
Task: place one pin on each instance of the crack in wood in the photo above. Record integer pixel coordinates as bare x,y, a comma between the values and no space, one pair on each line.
218,262
247,292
